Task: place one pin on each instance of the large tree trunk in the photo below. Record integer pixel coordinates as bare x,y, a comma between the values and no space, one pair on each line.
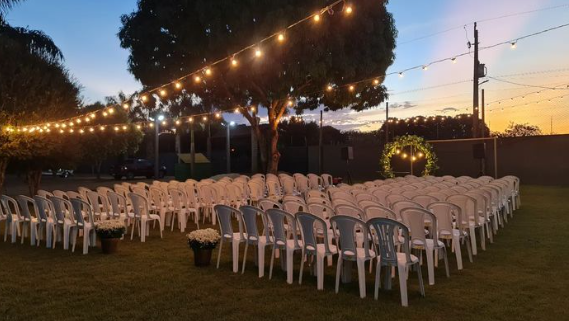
34,179
274,154
3,165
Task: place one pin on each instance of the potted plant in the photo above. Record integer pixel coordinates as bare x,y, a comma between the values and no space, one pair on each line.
203,242
110,232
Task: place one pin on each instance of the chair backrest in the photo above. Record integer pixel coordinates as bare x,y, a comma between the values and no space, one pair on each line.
10,206
467,207
250,217
73,194
364,196
79,207
327,180
392,198
415,219
380,195
83,191
399,205
25,203
44,193
294,198
97,202
281,233
438,195
345,230
293,207
289,185
140,205
316,194
179,200
312,228
45,208
118,203
319,200
302,183
385,235
374,211
321,210
62,209
256,190
350,210
266,204
424,200
446,213
224,216
314,181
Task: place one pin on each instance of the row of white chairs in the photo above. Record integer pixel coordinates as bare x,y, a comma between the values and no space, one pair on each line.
423,225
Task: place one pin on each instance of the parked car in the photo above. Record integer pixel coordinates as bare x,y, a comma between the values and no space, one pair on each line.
60,172
133,167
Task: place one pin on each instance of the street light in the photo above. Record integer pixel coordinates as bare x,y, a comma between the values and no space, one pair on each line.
228,144
157,121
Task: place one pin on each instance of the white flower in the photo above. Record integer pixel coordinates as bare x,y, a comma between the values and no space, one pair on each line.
207,235
110,225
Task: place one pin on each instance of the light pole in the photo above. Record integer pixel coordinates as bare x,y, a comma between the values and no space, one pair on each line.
157,122
228,144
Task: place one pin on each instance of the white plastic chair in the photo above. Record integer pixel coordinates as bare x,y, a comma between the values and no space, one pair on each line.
253,237
64,215
46,214
34,223
88,227
311,227
225,216
142,217
386,232
415,219
13,218
347,231
284,235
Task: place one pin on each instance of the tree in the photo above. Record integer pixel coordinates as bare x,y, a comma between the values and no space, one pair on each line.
169,38
519,130
100,146
34,87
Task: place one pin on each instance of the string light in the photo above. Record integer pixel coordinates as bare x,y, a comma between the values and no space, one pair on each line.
351,88
453,60
348,10
290,103
197,79
81,131
102,128
177,122
151,125
91,129
71,130
208,71
78,121
316,17
105,114
111,111
204,118
117,128
138,127
217,115
425,68
125,106
163,93
329,88
376,81
281,37
514,45
178,85
237,110
253,108
164,123
258,53
401,74
124,127
191,119
144,98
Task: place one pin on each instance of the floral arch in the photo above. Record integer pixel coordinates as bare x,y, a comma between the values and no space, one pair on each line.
418,144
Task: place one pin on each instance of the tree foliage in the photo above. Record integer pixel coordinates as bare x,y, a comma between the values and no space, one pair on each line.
520,130
170,38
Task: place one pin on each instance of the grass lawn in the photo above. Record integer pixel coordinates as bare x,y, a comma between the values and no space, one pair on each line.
522,276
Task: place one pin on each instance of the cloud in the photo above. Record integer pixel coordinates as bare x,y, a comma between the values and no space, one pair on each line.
404,105
447,110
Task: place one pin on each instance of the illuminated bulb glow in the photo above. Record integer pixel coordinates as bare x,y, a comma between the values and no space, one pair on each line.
178,85
316,17
349,10
253,109
204,118
513,45
237,110
351,88
197,78
258,53
91,129
111,110
234,62
217,115
453,60
138,127
144,98
208,71
162,92
376,81
290,103
281,37
125,106
329,88
105,114
401,75
177,122
124,127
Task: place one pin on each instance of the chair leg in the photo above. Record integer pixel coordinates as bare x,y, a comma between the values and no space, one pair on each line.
421,284
445,257
261,259
245,257
289,267
482,237
272,262
377,280
338,272
430,265
457,251
219,252
361,277
303,258
235,255
403,284
473,240
320,271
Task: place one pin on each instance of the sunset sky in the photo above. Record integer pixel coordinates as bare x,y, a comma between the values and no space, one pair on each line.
86,33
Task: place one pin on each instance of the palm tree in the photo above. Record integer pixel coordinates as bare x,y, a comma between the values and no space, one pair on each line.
37,42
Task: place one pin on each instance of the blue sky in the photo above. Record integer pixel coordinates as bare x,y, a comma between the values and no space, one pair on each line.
86,31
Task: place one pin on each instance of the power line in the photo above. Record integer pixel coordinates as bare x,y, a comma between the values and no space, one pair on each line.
483,20
525,85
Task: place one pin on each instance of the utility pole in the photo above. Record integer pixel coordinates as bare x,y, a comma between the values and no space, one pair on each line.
320,163
192,150
228,148
475,86
483,116
156,148
386,122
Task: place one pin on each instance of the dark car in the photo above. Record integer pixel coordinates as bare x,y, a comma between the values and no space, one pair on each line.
133,167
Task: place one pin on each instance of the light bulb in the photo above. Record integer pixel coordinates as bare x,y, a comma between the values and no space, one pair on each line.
351,88
237,110
208,71
138,126
91,129
105,114
163,93
401,75
204,118
177,122
217,115
316,17
111,110
514,45
234,62
376,81
144,98
348,10
258,53
197,78
453,60
124,127
125,106
290,103
178,85
329,88
281,37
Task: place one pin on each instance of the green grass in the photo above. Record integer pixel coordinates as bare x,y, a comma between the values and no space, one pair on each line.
522,276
